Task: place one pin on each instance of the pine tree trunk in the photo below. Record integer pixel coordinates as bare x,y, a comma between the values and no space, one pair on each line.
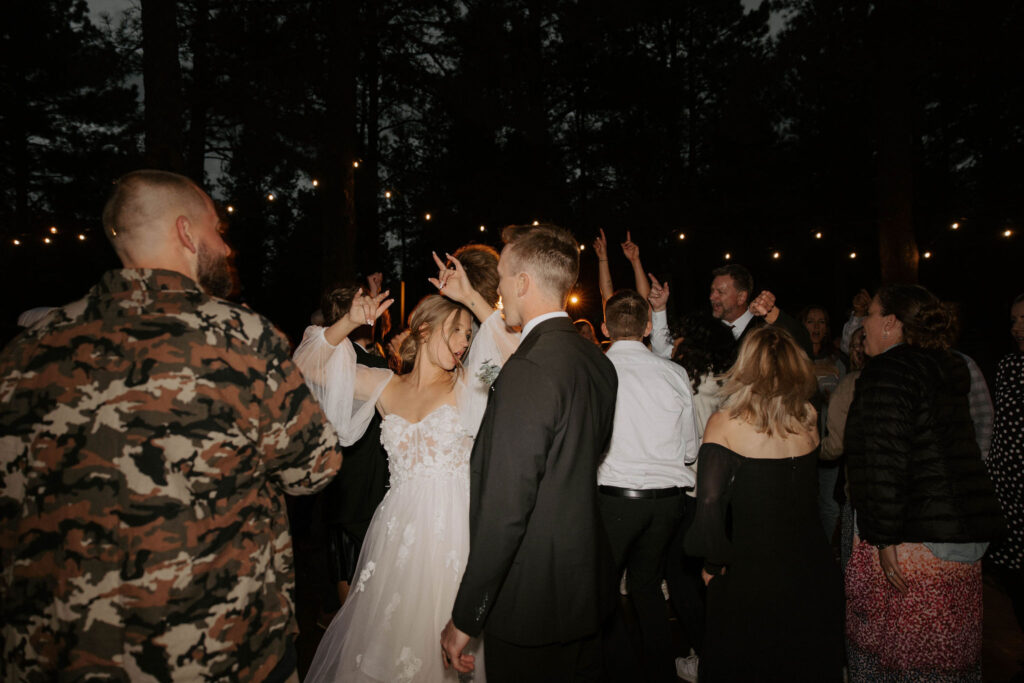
161,77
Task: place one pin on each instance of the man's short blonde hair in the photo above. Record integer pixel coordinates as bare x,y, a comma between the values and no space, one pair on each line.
550,253
141,196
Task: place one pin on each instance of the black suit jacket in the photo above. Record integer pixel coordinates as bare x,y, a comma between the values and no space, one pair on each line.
786,322
540,569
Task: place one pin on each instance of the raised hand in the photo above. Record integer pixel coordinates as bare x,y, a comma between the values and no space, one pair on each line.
659,294
366,309
451,282
375,280
601,246
630,249
763,304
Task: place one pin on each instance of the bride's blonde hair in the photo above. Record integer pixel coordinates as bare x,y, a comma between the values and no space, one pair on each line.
433,312
770,384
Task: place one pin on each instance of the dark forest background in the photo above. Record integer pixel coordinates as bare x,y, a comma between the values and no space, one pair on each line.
876,124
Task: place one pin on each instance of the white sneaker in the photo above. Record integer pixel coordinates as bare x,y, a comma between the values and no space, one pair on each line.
686,668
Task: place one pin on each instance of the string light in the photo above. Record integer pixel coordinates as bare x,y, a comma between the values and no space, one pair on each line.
682,236
1007,233
582,247
355,164
955,226
536,222
53,230
728,256
853,254
483,229
81,237
46,240
777,255
271,197
817,235
427,216
387,194
17,243
574,299
316,183
231,209
927,254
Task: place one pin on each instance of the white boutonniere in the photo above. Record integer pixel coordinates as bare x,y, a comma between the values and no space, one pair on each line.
488,372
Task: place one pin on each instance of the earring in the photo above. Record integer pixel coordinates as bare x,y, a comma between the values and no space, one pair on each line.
885,334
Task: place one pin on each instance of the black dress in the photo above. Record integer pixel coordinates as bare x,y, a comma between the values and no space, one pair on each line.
776,613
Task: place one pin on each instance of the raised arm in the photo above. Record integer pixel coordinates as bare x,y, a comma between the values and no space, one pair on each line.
364,311
454,284
632,252
604,273
661,338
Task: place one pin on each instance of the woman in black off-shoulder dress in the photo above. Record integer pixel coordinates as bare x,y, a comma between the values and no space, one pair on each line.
775,596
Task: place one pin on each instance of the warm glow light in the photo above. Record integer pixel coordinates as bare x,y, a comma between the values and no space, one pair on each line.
927,254
46,240
231,209
427,216
271,197
316,183
483,229
817,235
17,243
574,299
682,235
955,226
853,254
81,237
1007,233
776,255
355,164
536,222
387,195
582,247
728,256
53,230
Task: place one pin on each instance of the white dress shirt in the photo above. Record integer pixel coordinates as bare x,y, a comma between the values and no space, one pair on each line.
739,324
654,432
528,327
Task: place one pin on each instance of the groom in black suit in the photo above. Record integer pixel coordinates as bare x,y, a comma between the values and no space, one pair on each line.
539,582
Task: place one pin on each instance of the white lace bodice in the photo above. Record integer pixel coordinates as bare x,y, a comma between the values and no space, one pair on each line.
436,446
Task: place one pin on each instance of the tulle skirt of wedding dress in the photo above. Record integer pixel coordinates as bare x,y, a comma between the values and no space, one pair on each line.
402,594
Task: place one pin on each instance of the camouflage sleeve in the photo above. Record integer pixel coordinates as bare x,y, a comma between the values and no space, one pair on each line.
298,442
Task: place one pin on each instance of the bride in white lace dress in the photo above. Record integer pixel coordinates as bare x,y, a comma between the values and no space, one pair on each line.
418,540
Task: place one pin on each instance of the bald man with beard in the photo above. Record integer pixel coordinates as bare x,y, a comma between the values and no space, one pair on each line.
148,434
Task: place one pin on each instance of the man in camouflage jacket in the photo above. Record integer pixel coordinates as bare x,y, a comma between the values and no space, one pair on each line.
148,434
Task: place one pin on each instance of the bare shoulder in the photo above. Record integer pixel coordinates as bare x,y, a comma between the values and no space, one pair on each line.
718,428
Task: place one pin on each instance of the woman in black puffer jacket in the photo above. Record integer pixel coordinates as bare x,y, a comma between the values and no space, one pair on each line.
925,506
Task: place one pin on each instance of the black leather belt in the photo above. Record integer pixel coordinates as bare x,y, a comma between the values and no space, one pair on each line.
640,493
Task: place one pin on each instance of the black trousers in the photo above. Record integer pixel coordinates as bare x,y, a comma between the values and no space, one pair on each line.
578,661
685,584
640,531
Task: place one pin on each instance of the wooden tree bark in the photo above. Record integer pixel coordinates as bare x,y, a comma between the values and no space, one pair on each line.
337,191
161,78
200,96
894,133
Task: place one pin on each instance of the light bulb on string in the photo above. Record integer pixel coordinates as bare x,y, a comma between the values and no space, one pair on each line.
17,243
355,164
81,237
271,197
46,240
230,209
582,247
777,255
682,236
316,183
853,254
536,222
1007,233
387,194
427,217
817,235
728,256
53,230
574,299
954,226
927,254
483,229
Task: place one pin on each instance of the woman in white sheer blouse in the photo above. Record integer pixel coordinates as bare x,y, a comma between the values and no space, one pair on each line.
418,540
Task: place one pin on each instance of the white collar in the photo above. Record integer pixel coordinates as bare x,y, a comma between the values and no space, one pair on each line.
739,324
528,327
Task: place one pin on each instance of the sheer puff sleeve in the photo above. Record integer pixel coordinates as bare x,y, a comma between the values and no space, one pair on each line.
717,467
491,347
347,392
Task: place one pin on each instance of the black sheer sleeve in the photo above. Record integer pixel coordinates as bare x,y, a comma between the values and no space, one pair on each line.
716,469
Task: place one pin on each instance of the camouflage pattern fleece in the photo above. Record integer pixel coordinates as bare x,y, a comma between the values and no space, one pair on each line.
148,434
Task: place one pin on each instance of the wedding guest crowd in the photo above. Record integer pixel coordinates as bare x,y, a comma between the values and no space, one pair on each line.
504,469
